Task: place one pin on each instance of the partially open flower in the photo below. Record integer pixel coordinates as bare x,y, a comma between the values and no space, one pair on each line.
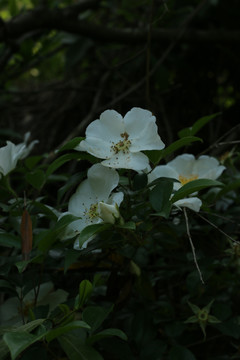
109,213
11,153
120,140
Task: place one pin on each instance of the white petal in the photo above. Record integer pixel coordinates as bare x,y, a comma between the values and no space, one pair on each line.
141,126
102,181
96,147
183,164
208,167
102,134
162,171
9,156
116,198
134,161
82,199
192,203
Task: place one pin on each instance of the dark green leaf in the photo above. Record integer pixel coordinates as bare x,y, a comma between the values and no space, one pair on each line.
156,155
57,332
10,240
92,230
70,145
194,186
36,179
95,315
190,131
75,350
107,333
47,238
85,290
160,195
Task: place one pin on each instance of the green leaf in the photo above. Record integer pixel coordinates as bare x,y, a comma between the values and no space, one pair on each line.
4,350
72,181
92,230
140,181
19,340
156,155
160,195
192,187
130,225
195,308
61,161
107,333
10,240
95,315
36,179
32,161
180,353
47,238
190,131
179,144
85,290
78,324
233,185
77,351
70,145
46,210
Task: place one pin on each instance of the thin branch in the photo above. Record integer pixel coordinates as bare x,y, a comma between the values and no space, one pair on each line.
66,19
221,231
192,246
178,36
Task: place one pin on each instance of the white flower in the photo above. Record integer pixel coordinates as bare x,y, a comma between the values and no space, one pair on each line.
87,202
120,140
11,153
28,148
186,168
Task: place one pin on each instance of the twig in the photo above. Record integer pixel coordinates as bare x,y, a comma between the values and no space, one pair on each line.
216,143
216,227
180,33
192,246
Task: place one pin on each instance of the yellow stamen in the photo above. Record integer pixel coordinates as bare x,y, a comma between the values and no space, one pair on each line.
122,145
186,179
93,211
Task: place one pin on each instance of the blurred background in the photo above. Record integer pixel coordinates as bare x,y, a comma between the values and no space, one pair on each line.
62,63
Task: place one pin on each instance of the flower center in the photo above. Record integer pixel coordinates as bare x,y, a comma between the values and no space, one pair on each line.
123,145
186,179
93,211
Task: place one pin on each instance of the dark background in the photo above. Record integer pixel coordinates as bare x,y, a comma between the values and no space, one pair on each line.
64,62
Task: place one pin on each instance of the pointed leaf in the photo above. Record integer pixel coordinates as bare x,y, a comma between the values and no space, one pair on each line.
78,324
190,131
107,333
194,186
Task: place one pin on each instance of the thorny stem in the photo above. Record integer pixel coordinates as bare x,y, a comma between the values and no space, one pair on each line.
192,246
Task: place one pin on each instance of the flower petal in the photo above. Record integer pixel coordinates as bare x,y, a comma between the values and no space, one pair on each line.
116,198
162,171
192,203
141,127
102,181
183,164
208,167
102,134
82,199
135,161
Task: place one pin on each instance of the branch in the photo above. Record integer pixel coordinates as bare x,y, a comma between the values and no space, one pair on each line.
66,19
